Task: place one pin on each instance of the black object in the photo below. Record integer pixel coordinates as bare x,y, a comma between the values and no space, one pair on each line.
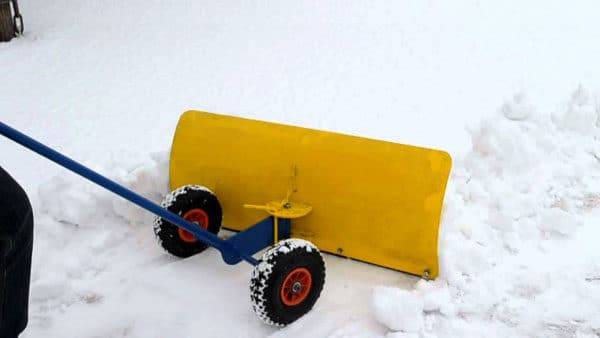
7,27
10,25
16,243
196,205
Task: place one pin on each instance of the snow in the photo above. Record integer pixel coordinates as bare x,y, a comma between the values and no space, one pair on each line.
106,81
398,309
517,249
517,109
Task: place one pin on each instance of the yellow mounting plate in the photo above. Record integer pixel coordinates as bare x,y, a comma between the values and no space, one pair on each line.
283,209
374,201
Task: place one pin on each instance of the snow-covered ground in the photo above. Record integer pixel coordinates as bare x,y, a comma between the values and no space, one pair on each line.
106,81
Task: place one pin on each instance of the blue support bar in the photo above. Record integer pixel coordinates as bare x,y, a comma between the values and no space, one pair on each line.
228,251
285,228
259,236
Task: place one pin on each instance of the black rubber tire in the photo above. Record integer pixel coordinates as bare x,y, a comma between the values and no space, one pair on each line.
7,29
268,277
179,202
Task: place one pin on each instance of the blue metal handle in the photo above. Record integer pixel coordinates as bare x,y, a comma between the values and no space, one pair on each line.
229,252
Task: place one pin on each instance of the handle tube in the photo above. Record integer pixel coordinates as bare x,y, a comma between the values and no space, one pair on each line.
226,249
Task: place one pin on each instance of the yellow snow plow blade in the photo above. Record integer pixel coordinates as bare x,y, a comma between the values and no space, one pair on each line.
374,201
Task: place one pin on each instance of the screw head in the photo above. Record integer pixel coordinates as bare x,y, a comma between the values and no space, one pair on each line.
296,287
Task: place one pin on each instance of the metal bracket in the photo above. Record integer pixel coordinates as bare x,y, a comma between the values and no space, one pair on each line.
18,19
257,237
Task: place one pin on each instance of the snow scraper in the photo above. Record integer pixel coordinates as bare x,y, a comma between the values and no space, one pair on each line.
374,201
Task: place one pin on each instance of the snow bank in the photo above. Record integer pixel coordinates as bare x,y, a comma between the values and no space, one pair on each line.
69,199
398,309
521,207
83,233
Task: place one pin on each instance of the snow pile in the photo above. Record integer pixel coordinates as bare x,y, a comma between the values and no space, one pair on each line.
69,199
82,235
518,248
398,316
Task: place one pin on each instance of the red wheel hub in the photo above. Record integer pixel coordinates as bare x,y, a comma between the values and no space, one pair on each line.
196,216
296,286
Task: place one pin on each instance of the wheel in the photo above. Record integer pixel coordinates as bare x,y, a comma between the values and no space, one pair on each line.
287,282
196,204
7,29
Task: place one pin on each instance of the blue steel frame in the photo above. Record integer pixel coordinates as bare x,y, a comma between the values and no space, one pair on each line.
240,246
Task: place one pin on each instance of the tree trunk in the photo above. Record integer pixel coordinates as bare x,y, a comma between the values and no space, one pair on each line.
7,29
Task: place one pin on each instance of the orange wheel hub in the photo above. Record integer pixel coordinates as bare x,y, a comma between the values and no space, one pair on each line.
196,216
296,287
